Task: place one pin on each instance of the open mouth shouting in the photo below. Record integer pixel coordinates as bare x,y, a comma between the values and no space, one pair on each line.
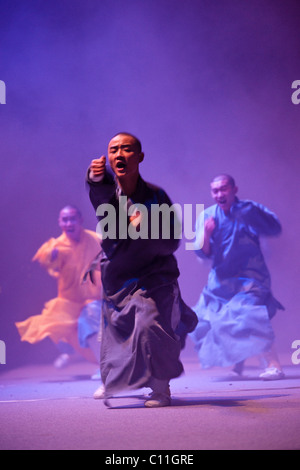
222,202
121,165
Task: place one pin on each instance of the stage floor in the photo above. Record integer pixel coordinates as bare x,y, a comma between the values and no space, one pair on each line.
44,408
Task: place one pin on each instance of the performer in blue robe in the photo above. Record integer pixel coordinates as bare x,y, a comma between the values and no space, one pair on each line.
145,319
236,305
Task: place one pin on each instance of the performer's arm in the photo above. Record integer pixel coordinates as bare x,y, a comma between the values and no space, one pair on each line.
97,170
48,257
100,181
203,237
261,219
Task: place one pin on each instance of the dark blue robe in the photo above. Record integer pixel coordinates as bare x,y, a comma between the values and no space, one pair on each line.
145,321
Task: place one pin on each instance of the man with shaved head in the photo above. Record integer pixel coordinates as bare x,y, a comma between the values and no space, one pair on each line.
145,319
73,317
236,305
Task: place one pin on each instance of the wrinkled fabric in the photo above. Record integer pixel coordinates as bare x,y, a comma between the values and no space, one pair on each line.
145,321
236,305
89,322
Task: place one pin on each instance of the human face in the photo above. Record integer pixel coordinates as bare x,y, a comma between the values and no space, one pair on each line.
223,194
124,156
70,223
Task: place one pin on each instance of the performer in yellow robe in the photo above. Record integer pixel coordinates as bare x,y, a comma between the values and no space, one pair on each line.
72,317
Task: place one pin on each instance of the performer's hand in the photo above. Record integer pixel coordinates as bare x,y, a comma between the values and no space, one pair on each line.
209,226
136,218
98,166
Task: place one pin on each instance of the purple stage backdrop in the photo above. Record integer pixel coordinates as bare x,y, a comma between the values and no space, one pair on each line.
205,84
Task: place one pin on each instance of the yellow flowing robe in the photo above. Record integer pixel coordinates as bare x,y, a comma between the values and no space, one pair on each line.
59,317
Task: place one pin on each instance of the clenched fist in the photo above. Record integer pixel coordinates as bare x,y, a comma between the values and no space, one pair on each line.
209,226
98,166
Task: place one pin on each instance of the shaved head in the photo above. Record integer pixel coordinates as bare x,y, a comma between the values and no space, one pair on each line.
224,177
137,141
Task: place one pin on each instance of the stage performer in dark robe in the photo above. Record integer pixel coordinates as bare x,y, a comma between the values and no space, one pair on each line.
145,321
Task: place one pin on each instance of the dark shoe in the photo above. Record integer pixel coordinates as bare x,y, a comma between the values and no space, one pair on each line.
158,400
238,368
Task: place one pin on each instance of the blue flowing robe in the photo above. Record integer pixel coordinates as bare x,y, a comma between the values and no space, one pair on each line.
145,321
236,305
